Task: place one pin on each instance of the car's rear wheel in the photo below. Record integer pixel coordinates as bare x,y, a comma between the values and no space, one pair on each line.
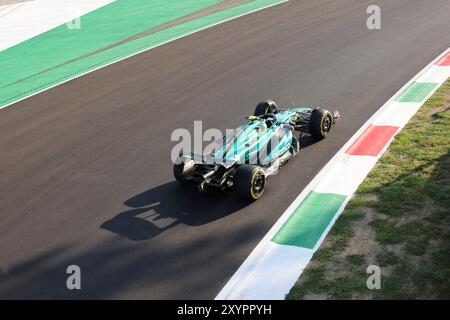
265,107
249,182
183,172
295,145
320,123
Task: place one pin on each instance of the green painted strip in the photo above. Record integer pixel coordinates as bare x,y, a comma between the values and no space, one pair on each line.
417,92
28,85
308,222
114,22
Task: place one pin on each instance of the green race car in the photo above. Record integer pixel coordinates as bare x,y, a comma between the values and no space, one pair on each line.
242,161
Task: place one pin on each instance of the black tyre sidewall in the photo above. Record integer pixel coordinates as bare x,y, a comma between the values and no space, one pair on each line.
315,124
243,179
178,174
265,107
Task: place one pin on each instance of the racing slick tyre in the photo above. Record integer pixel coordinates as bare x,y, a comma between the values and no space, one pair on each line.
320,123
249,182
295,146
265,107
182,172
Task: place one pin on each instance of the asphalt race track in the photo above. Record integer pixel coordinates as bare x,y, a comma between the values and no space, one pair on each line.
85,170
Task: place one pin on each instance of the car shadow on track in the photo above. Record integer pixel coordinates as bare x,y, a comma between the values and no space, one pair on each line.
306,140
161,208
164,207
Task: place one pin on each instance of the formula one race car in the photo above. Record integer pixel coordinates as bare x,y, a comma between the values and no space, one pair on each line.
256,150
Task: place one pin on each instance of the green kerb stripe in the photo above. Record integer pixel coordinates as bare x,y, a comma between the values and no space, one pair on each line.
308,222
417,92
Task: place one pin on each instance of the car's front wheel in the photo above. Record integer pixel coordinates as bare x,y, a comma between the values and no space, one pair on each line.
249,182
320,123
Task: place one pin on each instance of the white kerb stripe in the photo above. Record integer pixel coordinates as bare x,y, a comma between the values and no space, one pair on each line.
436,74
26,20
398,115
269,276
346,175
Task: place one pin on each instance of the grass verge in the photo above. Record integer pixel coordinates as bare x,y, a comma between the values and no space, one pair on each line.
399,220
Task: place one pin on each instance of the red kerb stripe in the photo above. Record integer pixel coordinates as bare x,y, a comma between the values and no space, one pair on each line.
444,61
372,140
